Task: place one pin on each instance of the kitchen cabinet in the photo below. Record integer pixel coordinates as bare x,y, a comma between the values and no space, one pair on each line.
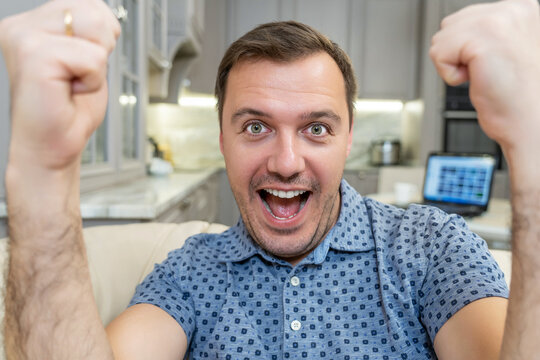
3,228
175,28
201,204
158,63
228,213
381,37
385,48
364,181
451,6
115,152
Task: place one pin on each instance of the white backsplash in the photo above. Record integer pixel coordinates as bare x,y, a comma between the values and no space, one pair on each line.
369,126
193,133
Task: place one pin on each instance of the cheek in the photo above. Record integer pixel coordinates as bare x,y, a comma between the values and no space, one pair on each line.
242,162
328,163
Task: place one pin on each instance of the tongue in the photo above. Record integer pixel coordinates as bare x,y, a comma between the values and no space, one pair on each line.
283,208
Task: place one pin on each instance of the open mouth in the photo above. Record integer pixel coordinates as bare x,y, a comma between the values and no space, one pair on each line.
284,205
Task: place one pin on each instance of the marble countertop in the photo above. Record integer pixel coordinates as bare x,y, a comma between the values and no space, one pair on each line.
143,199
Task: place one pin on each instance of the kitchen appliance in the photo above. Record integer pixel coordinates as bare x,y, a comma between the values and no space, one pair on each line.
462,132
385,151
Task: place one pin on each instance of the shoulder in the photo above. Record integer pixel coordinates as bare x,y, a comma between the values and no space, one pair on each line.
418,221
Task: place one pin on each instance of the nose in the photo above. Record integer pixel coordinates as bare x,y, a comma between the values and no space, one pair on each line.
286,159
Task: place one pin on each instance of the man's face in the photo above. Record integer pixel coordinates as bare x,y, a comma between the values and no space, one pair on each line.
285,137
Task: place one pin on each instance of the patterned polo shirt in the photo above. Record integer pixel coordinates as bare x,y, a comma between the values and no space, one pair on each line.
379,286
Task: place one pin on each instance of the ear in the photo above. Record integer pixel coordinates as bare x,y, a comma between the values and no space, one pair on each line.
221,142
349,140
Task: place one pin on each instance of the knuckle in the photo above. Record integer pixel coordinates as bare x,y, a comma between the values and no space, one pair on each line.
101,58
445,22
515,12
432,53
97,19
7,30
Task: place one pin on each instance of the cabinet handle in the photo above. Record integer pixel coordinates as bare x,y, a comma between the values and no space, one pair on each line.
121,13
184,204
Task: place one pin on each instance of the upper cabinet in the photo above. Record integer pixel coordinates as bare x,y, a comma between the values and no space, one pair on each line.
157,32
115,150
382,37
451,6
175,28
385,48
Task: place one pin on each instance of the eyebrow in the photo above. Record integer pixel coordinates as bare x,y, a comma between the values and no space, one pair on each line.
313,115
247,111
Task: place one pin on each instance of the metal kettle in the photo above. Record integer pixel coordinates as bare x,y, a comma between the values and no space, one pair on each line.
385,151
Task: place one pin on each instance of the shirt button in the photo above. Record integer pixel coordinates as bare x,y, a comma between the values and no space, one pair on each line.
295,281
296,325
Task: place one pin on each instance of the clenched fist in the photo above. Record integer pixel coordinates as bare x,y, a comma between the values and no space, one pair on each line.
497,47
58,80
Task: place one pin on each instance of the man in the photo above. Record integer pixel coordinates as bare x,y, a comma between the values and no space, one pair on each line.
312,270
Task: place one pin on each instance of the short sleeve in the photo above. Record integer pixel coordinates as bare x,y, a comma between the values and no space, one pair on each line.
162,288
460,270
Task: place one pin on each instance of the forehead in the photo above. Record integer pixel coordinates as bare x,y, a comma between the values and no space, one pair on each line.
307,84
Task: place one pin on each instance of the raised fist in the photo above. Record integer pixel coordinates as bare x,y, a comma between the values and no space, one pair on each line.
56,57
497,47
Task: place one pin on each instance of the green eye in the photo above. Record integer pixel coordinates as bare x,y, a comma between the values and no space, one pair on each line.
255,128
318,129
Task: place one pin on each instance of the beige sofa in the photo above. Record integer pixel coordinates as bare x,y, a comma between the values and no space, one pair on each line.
120,256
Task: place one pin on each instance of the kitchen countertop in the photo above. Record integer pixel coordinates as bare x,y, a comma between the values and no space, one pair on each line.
142,199
494,225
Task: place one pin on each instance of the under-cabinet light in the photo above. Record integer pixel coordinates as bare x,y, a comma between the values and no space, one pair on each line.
198,101
127,100
378,105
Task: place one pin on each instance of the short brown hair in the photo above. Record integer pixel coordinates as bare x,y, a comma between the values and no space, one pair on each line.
283,41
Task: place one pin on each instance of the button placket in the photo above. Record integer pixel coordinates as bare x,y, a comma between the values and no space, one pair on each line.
293,313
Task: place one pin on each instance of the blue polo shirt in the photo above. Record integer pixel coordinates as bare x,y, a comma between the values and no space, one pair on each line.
380,286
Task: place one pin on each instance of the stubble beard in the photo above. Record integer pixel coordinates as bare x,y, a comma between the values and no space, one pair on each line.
330,205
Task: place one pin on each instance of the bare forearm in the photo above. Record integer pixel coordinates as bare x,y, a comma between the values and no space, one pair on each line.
50,310
522,329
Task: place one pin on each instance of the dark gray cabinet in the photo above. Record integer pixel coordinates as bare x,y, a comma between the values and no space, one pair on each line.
386,52
382,37
451,6
364,181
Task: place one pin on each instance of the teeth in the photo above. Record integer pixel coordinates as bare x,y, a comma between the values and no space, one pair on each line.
284,194
290,217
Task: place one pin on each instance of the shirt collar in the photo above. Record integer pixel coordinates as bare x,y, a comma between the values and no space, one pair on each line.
352,233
